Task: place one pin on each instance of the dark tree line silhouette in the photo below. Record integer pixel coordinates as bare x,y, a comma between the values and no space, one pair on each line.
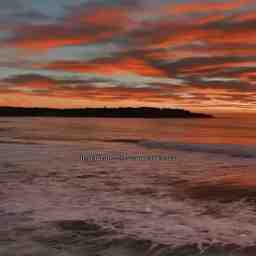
129,112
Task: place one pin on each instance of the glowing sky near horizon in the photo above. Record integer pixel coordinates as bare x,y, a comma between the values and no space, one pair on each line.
198,55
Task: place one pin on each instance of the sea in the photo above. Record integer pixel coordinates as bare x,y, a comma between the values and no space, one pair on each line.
128,187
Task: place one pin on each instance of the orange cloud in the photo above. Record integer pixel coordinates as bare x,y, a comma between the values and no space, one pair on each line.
201,7
109,66
103,16
59,94
209,45
167,34
44,38
88,26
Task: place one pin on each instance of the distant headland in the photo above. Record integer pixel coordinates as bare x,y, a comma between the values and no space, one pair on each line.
129,112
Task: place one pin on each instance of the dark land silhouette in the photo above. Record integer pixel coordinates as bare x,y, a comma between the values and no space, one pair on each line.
129,112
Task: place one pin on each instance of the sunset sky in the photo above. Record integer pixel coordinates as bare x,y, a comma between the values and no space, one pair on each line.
198,55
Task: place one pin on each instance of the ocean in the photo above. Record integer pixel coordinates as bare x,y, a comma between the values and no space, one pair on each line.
127,187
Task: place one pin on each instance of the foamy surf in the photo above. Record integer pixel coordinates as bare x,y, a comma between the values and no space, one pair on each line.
53,203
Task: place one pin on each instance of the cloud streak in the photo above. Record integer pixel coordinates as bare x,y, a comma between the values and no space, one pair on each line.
207,49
